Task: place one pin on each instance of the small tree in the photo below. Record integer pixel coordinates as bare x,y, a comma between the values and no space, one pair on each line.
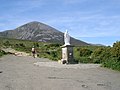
116,49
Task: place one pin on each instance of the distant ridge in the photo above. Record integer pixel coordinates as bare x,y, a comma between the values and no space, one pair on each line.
37,31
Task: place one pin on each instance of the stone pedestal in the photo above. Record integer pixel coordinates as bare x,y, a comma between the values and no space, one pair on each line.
67,54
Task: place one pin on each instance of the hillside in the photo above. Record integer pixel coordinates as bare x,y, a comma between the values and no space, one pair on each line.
37,31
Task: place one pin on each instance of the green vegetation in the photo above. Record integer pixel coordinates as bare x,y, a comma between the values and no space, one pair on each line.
46,50
111,58
107,56
2,53
82,54
51,51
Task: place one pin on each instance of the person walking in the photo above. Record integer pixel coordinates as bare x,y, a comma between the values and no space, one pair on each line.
33,51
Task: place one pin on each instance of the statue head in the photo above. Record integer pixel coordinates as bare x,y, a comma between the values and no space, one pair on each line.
66,30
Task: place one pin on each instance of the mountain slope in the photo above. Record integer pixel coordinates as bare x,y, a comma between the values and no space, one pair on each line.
37,31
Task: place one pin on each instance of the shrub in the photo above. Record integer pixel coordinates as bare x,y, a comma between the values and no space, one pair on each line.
2,53
113,61
7,44
116,49
82,55
101,54
85,52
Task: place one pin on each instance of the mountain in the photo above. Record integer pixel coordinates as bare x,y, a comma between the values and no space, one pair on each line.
37,31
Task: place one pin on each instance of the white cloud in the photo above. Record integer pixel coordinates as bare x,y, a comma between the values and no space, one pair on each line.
95,25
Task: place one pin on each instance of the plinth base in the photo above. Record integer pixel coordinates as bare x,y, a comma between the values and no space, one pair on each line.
67,54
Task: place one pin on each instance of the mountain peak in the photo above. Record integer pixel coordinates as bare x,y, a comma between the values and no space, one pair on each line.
37,31
34,22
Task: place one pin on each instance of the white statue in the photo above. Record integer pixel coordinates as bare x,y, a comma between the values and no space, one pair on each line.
66,38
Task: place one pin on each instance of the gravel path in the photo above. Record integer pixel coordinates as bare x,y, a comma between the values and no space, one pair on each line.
68,66
28,73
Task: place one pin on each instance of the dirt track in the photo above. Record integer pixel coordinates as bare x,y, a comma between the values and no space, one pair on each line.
20,73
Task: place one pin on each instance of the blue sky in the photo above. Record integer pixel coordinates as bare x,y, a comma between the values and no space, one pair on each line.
93,21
